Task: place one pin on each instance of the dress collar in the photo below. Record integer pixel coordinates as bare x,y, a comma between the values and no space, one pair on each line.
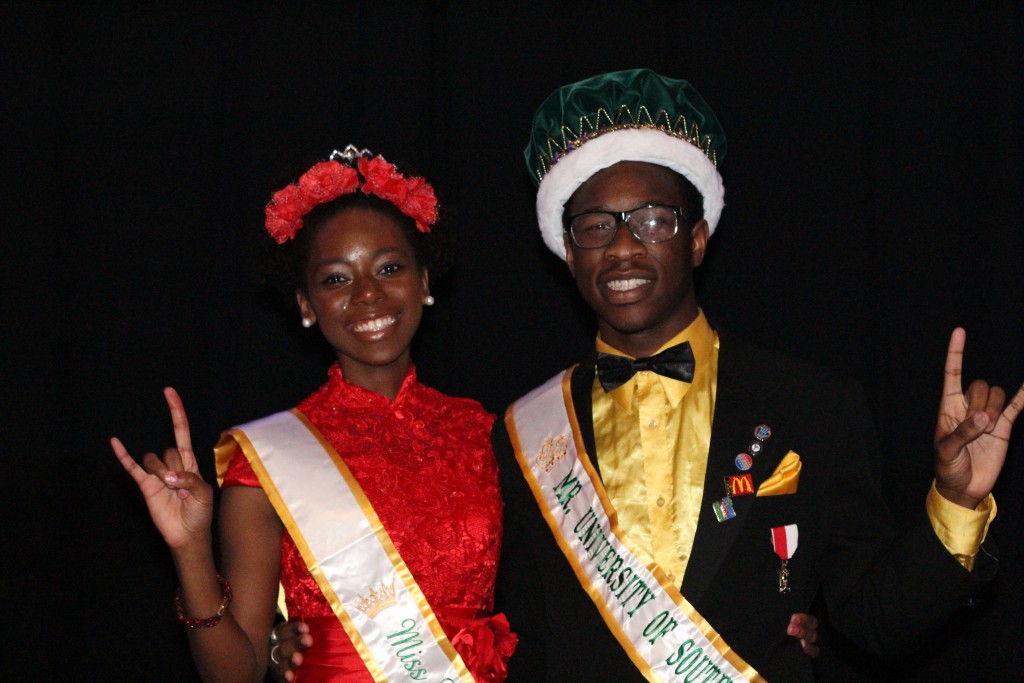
353,396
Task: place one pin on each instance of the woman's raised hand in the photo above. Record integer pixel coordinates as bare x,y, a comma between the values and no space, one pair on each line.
179,501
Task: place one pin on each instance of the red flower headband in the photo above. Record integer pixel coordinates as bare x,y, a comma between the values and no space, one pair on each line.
328,180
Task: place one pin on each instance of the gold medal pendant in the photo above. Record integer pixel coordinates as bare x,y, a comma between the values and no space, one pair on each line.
784,577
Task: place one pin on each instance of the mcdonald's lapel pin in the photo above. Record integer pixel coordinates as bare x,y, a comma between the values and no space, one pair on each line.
739,485
784,541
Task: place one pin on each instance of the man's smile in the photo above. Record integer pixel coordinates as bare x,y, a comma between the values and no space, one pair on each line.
626,285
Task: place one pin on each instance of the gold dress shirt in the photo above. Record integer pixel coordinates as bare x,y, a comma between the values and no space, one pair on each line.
652,436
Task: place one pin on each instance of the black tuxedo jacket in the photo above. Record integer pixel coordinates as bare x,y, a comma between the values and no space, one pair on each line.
885,591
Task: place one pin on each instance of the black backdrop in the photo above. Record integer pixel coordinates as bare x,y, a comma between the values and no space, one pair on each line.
874,182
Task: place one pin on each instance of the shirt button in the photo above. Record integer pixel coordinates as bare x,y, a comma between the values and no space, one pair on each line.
671,577
653,424
661,501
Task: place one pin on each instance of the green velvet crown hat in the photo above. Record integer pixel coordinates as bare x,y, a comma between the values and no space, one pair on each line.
634,115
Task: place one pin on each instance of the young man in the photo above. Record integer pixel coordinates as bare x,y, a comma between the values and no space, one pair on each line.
674,499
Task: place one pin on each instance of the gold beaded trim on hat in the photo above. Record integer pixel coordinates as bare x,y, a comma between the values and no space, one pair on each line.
603,122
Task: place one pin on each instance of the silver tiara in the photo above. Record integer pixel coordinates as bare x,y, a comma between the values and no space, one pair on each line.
350,154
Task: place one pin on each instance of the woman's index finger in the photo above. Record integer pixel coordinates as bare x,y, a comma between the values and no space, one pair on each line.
182,436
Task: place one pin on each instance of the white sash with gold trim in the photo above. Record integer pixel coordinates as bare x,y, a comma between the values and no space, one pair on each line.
661,632
346,549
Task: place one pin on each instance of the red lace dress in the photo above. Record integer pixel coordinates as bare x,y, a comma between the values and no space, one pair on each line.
425,463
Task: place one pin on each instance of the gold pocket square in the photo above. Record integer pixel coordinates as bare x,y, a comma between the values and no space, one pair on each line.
784,479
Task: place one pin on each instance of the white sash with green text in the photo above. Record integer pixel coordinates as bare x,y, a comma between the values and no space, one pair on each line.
346,549
661,632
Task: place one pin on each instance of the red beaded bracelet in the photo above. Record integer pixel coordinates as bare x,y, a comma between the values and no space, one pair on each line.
192,622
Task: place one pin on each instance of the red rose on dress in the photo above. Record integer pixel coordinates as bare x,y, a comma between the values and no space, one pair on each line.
486,645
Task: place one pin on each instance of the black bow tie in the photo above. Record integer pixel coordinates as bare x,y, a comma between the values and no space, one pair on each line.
675,362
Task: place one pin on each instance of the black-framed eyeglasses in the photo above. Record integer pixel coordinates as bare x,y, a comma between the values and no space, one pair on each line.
650,223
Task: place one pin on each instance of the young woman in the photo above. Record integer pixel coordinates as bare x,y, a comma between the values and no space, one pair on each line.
375,502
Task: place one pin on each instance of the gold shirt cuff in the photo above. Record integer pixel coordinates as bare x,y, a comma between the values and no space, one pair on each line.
961,530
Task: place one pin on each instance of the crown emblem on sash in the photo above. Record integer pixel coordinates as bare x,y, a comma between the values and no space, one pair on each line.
378,599
551,451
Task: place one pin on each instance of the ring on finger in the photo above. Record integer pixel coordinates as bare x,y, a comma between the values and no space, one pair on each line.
273,654
274,638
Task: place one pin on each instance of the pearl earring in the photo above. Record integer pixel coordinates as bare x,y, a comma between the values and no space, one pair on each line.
428,300
306,322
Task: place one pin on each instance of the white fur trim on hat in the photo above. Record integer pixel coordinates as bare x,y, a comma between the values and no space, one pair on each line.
631,144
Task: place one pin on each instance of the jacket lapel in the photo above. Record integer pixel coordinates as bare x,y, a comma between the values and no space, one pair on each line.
739,410
581,385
